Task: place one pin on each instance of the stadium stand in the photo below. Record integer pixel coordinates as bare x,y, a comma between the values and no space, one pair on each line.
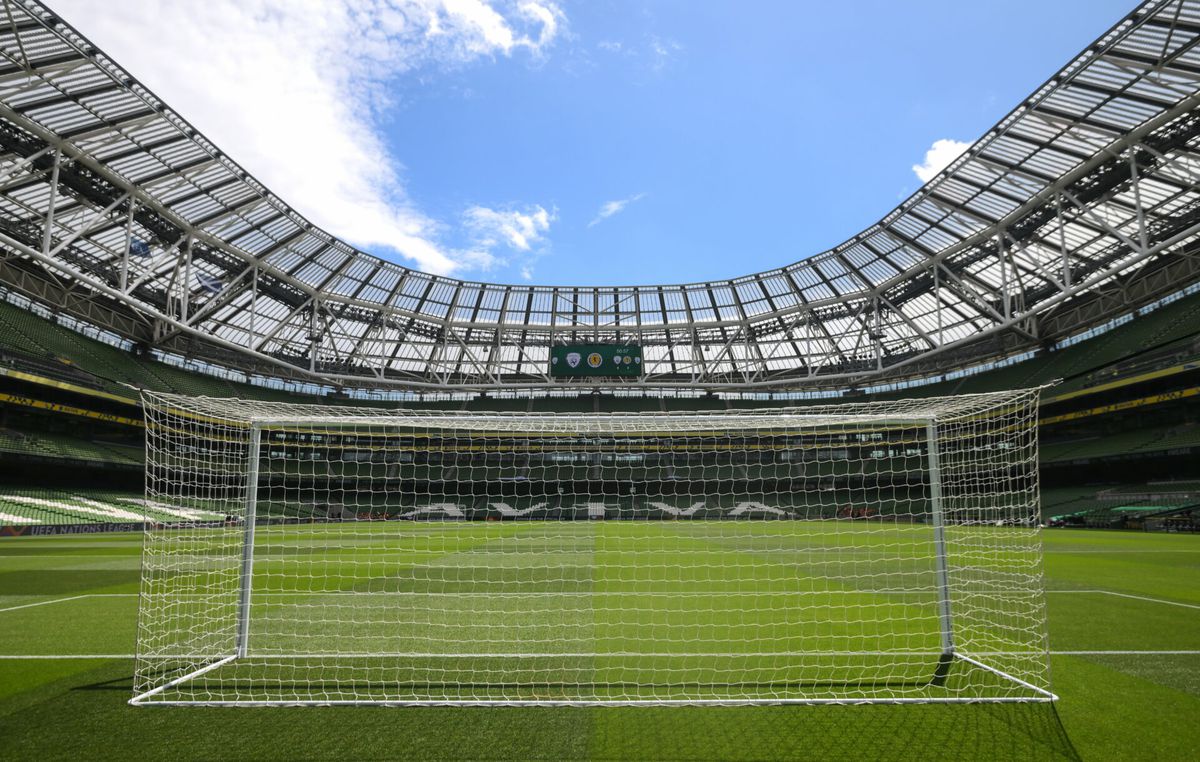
50,506
36,345
1166,336
39,346
1120,506
57,446
1123,353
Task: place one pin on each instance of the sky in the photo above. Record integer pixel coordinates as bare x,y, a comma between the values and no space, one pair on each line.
597,142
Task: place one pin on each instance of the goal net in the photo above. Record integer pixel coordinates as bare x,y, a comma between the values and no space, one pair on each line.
885,551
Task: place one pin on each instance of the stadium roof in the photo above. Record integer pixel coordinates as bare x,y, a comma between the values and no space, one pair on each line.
1080,203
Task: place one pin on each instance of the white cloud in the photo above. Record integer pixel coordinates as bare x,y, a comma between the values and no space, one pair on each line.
503,235
294,90
662,52
609,208
516,229
938,157
546,14
654,53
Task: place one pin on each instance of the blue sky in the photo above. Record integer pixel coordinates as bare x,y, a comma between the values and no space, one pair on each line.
487,139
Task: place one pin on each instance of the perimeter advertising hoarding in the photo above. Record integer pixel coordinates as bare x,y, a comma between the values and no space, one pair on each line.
595,360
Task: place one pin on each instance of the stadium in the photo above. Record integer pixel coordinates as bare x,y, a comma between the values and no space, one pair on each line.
931,493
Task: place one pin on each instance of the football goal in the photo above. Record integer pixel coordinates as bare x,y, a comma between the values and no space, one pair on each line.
864,552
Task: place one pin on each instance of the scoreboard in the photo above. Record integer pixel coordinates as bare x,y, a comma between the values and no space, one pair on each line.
595,360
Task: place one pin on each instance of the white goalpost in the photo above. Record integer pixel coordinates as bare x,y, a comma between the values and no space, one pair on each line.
864,552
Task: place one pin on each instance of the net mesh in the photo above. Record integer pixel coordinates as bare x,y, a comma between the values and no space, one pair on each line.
860,552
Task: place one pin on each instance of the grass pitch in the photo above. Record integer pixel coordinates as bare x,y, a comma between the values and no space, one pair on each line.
560,611
1124,628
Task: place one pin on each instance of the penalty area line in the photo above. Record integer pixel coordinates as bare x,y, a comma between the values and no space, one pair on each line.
1126,653
44,603
69,598
1131,596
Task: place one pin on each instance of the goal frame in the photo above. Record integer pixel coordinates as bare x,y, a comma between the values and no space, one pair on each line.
948,656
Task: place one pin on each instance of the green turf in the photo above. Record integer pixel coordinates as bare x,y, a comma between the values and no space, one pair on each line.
1114,706
628,610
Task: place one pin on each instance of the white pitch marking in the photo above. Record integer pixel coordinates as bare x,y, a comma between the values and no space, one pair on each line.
14,657
71,598
1125,653
46,603
307,593
89,556
1105,552
1130,595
